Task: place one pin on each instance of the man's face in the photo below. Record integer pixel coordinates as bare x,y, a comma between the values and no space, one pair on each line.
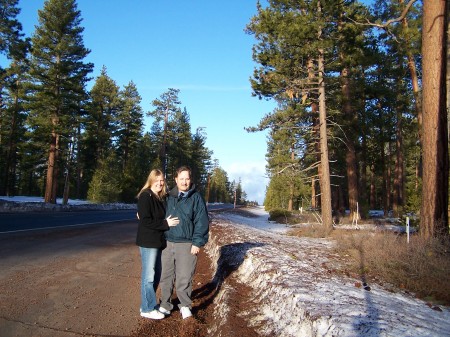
183,181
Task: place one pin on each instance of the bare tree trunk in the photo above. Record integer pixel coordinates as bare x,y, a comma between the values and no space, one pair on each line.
350,156
313,193
66,188
50,196
79,170
373,197
325,188
385,183
316,131
389,177
291,183
447,42
362,189
208,179
56,171
434,208
414,79
164,146
398,178
291,197
398,173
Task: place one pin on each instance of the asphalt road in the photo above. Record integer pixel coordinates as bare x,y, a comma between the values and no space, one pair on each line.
32,221
18,222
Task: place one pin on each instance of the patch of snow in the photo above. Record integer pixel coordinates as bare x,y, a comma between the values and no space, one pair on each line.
260,221
296,294
37,204
23,199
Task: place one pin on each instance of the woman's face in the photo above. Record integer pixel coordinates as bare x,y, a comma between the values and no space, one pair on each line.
158,184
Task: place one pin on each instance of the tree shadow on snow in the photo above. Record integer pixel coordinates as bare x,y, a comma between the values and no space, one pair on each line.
230,259
368,324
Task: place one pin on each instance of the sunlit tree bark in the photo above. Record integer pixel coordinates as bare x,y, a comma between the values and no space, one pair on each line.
434,209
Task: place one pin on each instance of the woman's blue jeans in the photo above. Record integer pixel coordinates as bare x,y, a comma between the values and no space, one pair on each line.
151,274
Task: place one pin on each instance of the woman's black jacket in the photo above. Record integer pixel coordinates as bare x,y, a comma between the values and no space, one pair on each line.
152,223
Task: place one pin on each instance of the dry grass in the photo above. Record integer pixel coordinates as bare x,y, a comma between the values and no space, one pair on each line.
420,267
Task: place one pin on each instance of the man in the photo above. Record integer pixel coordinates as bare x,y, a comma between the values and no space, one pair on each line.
184,241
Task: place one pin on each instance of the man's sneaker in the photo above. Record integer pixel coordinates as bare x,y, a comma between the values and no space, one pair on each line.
185,312
164,311
154,314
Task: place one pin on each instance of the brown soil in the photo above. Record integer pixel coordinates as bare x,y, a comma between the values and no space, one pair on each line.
206,286
85,282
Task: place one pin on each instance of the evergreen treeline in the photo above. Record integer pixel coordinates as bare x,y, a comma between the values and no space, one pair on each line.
58,139
347,132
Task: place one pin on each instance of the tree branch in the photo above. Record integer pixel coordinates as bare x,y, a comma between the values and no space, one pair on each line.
388,22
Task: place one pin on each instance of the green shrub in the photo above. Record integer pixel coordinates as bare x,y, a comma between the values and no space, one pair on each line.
280,215
105,186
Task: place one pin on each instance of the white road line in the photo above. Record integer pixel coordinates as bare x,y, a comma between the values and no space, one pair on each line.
76,225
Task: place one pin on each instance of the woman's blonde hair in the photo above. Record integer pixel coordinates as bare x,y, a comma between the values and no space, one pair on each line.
153,175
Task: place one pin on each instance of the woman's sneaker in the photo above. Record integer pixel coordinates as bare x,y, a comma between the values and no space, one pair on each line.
154,314
185,312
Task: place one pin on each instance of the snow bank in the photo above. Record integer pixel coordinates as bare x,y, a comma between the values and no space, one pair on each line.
37,204
296,292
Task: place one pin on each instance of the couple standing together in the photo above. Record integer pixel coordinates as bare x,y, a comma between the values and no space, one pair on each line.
172,229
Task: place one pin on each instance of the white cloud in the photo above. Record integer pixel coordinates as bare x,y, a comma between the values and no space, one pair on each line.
253,178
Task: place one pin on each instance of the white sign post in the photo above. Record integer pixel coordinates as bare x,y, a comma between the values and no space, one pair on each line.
407,229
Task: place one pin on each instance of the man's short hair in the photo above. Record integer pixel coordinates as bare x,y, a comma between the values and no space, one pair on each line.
183,168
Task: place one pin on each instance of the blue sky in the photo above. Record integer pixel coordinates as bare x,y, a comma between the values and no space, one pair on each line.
199,47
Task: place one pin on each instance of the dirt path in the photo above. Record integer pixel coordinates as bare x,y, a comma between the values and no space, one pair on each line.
85,282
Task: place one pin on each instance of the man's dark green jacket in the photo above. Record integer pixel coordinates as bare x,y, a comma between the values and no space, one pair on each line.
193,215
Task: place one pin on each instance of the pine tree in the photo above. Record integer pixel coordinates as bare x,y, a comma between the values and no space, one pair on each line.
295,41
179,143
165,109
143,159
101,119
12,114
99,124
129,133
129,122
200,160
105,184
58,77
220,189
399,42
10,31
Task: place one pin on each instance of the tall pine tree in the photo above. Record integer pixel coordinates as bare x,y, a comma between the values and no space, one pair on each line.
12,114
58,75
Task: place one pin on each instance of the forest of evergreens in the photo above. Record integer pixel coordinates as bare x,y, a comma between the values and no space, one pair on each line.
59,139
352,130
359,123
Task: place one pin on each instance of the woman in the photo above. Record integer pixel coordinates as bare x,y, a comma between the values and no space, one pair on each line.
150,239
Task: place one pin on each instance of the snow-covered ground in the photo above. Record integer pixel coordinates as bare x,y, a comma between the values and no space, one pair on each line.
297,294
